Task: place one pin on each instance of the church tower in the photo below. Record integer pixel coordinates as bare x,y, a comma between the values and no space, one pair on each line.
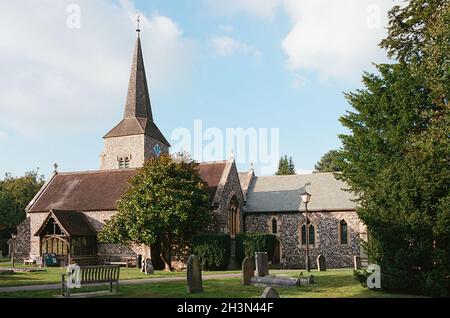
136,138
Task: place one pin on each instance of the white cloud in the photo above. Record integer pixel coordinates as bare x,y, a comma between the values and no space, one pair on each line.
227,46
3,135
54,77
336,38
260,8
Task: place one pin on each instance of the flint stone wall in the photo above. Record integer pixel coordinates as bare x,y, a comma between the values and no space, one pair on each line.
326,236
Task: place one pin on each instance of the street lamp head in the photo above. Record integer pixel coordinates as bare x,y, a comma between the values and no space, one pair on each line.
305,197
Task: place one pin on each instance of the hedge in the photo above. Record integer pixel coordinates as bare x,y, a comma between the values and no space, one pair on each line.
4,247
247,244
212,250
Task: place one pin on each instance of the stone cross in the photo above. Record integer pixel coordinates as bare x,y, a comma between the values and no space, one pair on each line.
270,292
149,270
194,275
248,270
321,263
356,262
143,265
262,264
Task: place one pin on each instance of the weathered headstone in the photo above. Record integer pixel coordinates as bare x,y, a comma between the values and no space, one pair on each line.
248,270
149,270
262,264
357,262
194,275
321,263
270,292
275,281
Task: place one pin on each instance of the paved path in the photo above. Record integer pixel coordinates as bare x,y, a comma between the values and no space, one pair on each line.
122,282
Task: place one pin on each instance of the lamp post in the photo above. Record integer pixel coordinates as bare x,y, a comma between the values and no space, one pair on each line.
305,198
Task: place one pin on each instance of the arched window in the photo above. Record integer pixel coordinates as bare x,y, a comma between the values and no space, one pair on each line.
312,234
343,232
121,163
233,217
124,163
274,226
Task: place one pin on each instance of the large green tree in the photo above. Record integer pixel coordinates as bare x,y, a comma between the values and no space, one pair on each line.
396,157
330,162
286,167
15,194
166,203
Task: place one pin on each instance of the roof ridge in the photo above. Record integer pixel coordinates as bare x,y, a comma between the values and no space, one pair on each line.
212,162
95,171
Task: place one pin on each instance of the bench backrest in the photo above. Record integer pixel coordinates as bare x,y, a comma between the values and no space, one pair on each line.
99,274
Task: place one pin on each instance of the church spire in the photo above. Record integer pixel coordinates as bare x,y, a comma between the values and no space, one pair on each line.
138,118
138,99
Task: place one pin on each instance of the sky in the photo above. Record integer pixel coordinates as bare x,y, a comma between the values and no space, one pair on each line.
252,64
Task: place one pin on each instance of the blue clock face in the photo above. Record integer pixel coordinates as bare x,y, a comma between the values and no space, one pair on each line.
157,150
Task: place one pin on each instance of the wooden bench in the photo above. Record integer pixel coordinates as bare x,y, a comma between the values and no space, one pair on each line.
124,261
29,261
94,275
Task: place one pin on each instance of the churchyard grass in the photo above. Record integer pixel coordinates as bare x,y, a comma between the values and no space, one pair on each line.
329,284
52,275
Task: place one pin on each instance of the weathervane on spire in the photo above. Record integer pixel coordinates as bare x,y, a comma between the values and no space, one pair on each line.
138,20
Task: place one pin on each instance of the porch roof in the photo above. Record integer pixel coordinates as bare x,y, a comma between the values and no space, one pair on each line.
71,222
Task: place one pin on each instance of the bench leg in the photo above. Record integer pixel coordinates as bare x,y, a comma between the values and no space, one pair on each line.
117,285
110,286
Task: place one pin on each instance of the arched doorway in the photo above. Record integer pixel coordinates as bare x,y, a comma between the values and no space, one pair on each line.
234,217
276,252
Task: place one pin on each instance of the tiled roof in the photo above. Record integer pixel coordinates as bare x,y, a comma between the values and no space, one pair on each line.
100,190
211,173
83,191
245,179
282,194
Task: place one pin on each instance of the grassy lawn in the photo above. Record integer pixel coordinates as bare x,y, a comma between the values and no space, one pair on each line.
52,275
330,284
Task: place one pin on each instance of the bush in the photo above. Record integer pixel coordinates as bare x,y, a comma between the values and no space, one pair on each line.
361,276
212,250
248,244
4,247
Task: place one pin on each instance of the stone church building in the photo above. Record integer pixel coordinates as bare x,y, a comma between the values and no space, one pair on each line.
67,213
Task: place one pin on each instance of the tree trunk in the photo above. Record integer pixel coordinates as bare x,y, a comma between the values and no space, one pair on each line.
166,253
157,261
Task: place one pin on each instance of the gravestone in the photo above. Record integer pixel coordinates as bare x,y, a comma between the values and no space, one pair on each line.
275,281
262,264
149,270
248,270
270,292
357,262
194,275
321,263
